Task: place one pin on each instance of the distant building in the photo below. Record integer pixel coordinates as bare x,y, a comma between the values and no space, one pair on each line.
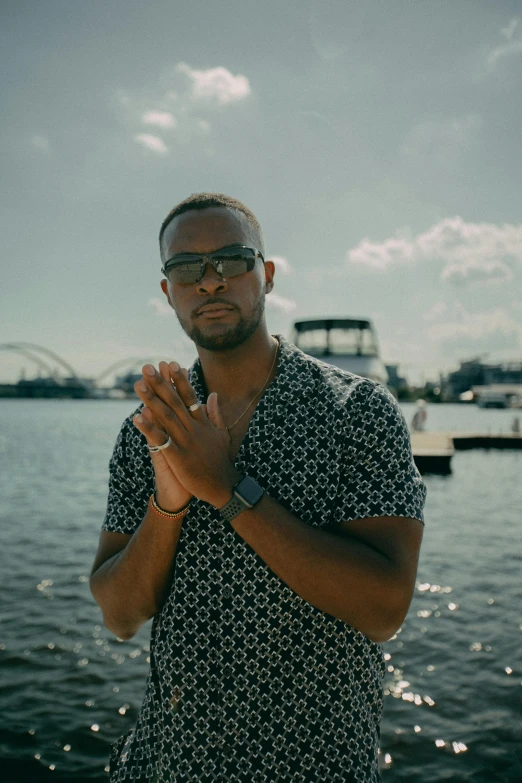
498,395
509,372
49,387
395,381
477,373
126,382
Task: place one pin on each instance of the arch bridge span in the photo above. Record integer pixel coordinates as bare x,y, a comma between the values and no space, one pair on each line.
28,349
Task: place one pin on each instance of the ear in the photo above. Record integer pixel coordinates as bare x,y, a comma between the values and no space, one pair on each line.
165,288
269,275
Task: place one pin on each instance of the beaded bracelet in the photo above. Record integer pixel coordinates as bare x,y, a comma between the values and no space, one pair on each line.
167,514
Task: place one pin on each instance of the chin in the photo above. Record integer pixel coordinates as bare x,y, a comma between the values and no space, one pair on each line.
225,339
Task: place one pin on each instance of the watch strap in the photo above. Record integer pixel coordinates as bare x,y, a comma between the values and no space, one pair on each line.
237,502
234,507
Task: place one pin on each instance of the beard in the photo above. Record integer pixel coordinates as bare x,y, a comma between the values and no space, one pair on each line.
230,338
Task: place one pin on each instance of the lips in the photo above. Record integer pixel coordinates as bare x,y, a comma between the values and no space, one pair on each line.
214,310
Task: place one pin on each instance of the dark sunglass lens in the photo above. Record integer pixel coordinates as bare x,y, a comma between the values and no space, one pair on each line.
185,273
234,266
236,262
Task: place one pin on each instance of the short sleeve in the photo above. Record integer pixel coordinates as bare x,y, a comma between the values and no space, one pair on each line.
131,481
378,475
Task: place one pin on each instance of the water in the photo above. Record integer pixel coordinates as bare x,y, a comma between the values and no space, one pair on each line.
69,688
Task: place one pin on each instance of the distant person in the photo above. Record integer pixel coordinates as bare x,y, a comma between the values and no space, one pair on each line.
418,421
266,511
515,427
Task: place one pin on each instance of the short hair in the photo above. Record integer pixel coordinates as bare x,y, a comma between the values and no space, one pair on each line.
207,200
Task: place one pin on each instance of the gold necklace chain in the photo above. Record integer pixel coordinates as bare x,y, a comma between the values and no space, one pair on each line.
260,390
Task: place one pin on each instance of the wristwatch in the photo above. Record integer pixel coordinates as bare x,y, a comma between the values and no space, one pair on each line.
245,494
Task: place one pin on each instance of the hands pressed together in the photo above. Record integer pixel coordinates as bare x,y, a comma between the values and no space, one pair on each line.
197,462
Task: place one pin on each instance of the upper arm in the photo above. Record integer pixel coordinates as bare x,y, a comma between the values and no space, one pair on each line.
397,538
379,478
109,545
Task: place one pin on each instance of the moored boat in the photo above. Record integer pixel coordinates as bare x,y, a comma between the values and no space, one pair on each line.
348,343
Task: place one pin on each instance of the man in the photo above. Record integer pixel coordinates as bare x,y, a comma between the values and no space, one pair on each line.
266,511
419,417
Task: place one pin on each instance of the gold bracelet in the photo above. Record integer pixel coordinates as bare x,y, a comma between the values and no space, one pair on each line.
166,514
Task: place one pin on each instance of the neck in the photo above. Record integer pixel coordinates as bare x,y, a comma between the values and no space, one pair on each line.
239,373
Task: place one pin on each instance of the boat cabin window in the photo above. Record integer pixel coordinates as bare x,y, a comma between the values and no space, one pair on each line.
347,342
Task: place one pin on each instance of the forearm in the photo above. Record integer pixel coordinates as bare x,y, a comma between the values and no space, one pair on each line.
337,574
131,586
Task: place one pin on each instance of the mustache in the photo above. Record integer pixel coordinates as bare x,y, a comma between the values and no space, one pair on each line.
211,301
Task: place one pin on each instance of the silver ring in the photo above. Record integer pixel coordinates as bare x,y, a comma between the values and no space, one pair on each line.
195,406
160,448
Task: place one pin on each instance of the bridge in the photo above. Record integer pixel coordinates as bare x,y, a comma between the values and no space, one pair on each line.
68,379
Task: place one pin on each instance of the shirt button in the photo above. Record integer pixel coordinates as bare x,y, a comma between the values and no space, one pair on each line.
227,671
227,592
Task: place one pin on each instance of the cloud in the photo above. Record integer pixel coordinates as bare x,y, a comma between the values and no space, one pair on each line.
160,306
435,312
216,84
379,255
191,95
281,265
276,302
163,119
40,142
470,252
508,31
440,139
123,99
152,143
476,270
511,47
476,326
505,50
203,126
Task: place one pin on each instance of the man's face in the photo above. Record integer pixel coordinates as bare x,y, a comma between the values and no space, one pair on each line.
243,296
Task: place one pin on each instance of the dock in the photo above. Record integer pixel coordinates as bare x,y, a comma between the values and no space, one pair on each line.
432,451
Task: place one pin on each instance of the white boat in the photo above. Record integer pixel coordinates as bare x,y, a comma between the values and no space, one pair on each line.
348,343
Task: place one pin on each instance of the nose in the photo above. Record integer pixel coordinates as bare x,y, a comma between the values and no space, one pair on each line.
211,282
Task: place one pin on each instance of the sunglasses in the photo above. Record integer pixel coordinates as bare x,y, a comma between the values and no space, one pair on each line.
228,262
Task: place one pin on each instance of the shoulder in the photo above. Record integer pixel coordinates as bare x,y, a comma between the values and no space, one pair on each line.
340,388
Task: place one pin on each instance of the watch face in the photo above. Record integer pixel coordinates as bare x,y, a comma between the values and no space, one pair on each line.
249,491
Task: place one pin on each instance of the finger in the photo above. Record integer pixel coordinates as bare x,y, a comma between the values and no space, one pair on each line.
186,392
164,371
165,374
164,460
161,384
214,413
147,414
172,416
153,435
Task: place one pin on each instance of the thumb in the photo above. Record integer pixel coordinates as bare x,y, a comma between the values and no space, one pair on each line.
214,413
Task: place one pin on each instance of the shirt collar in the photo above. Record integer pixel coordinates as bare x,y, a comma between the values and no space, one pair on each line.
294,377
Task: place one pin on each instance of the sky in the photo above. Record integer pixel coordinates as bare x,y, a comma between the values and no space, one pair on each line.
377,143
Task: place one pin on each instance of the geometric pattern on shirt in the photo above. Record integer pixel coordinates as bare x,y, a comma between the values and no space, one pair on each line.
247,681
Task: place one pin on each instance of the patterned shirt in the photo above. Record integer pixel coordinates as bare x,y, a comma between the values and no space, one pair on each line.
248,681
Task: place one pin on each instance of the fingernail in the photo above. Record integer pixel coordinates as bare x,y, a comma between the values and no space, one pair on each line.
174,366
138,418
149,369
142,386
